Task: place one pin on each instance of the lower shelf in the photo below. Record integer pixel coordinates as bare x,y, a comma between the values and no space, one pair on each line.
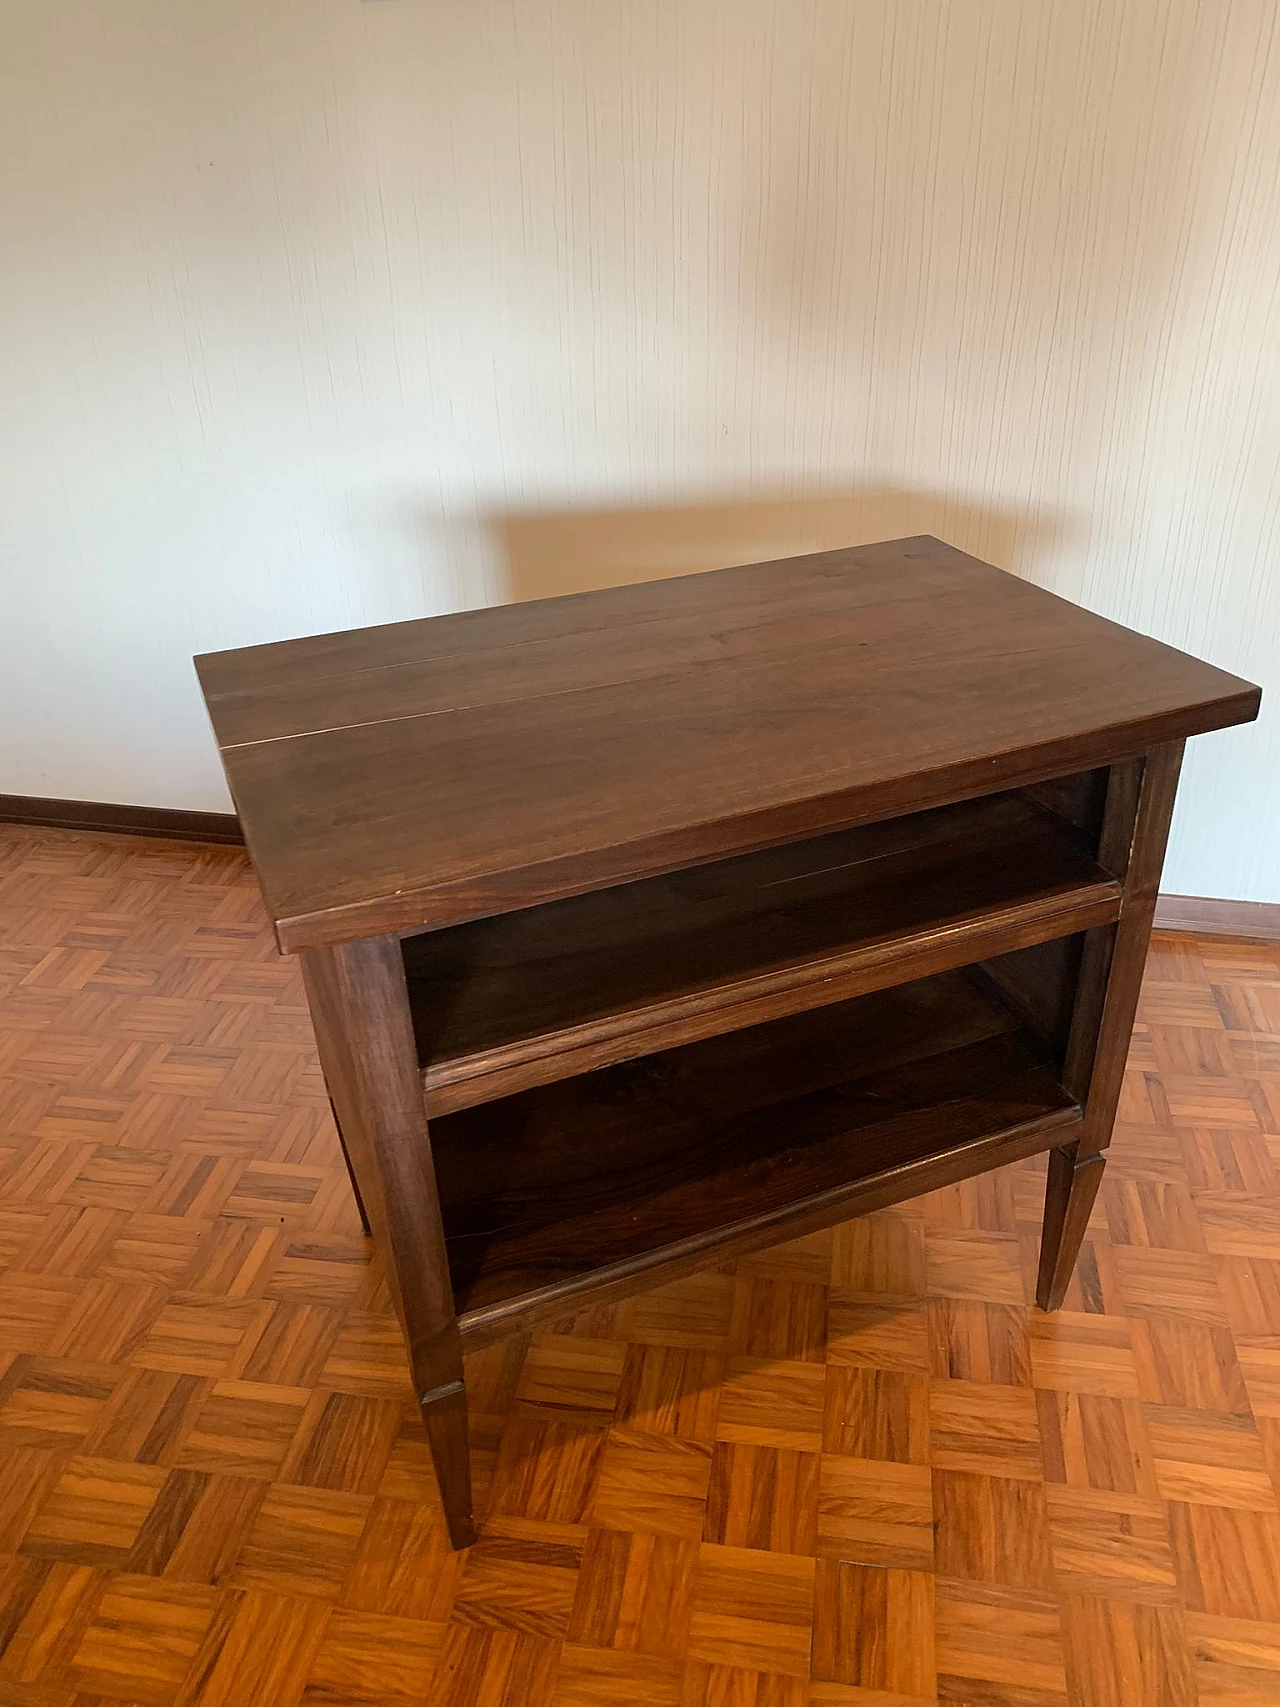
619,1178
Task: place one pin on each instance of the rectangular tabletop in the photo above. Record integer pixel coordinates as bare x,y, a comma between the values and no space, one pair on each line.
423,773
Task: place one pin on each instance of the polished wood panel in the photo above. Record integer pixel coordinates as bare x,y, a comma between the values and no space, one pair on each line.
359,1008
541,994
1194,915
214,1486
429,772
436,774
1135,828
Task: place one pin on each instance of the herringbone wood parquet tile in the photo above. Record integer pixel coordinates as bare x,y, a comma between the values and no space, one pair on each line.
858,1471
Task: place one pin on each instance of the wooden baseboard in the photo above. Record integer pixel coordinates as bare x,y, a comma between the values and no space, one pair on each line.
1182,915
219,828
1199,915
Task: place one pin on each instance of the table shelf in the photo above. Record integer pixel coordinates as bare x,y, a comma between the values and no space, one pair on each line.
565,1194
535,996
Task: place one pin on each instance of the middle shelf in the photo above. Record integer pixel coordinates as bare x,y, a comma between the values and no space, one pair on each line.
531,997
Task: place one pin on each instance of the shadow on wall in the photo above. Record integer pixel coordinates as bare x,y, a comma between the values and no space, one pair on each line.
543,553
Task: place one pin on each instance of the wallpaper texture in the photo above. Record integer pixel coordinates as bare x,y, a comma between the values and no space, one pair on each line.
318,312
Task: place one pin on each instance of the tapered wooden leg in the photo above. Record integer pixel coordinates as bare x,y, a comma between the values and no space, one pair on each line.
444,1415
1068,1203
351,1172
364,1032
1135,829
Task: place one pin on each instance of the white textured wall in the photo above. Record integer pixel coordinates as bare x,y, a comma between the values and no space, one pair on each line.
303,301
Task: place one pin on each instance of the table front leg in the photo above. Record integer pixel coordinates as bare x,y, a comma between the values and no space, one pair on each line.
350,1166
1135,830
364,1032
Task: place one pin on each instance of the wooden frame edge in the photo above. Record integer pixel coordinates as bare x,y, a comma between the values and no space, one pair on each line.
218,829
1178,915
1201,915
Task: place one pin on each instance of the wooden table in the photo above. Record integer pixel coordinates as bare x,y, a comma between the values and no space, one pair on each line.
700,914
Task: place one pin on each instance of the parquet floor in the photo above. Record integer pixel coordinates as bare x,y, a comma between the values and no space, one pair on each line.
858,1471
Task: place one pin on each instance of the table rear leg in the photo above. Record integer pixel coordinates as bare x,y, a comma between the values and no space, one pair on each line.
360,1010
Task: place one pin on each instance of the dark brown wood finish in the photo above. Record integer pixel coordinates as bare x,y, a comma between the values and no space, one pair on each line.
743,903
1140,805
529,997
167,823
431,772
360,1010
1135,831
1080,798
1038,984
549,1195
1090,991
1195,915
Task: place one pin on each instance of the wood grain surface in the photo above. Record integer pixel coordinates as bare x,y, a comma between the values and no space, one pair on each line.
719,1147
529,997
428,772
857,1471
440,773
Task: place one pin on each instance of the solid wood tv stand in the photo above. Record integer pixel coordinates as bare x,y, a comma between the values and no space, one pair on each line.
698,914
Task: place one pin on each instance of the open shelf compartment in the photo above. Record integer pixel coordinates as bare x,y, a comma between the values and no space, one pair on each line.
566,1193
527,998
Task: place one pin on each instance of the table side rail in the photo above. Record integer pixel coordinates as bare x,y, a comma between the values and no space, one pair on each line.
455,1085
